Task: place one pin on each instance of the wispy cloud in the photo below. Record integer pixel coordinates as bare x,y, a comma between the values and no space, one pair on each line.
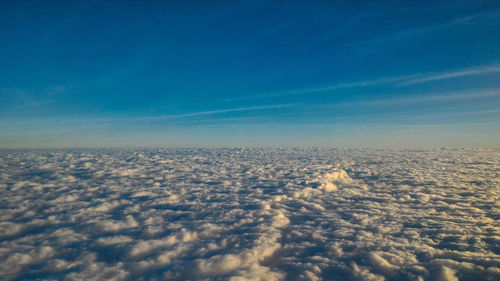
489,69
404,80
337,86
406,36
177,117
427,98
428,105
213,112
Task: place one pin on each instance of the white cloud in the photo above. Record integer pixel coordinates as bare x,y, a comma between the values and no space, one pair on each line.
473,71
250,214
112,240
447,274
117,225
404,80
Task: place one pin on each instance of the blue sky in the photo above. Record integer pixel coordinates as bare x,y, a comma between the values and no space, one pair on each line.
249,73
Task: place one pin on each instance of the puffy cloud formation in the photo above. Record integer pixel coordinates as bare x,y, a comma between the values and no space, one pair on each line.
250,214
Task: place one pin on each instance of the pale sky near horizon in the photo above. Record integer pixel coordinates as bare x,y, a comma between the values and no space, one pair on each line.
249,73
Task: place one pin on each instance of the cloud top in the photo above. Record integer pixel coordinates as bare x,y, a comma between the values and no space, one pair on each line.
250,214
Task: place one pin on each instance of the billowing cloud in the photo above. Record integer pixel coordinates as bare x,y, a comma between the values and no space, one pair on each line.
250,214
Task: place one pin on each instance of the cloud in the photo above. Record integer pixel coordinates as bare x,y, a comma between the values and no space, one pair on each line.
327,88
213,112
98,122
404,80
420,33
423,99
473,71
447,274
116,225
250,214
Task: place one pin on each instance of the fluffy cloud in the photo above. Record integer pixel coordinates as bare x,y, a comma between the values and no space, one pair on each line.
250,214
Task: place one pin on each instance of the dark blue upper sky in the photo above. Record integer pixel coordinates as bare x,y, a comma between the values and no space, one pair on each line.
224,73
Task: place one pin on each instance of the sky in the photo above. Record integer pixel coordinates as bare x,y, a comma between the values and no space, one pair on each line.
249,73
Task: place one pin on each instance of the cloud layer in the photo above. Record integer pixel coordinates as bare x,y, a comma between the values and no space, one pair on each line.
250,214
